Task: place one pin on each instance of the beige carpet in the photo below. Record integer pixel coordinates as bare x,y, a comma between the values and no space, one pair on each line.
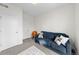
33,50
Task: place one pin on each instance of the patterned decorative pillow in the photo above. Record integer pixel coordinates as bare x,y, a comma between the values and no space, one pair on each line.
64,40
58,40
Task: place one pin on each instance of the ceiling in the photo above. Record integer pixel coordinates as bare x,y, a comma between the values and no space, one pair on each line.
38,9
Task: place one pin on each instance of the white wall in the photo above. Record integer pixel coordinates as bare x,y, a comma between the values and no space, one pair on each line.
61,19
77,26
28,25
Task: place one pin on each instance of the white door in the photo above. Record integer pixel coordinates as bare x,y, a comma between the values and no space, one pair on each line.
0,31
1,28
10,31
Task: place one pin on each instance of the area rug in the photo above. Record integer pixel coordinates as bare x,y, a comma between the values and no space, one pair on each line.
32,51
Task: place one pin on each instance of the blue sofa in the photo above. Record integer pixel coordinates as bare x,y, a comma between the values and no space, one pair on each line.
48,41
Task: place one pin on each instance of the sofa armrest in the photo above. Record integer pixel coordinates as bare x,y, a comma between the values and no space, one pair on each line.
68,48
36,38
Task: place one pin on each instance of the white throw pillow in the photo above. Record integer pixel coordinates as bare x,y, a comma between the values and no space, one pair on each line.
40,35
64,40
58,40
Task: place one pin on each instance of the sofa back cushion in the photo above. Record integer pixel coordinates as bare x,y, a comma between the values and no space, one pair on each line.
52,35
48,35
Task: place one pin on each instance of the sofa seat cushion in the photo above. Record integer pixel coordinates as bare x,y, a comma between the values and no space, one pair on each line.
60,48
42,42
